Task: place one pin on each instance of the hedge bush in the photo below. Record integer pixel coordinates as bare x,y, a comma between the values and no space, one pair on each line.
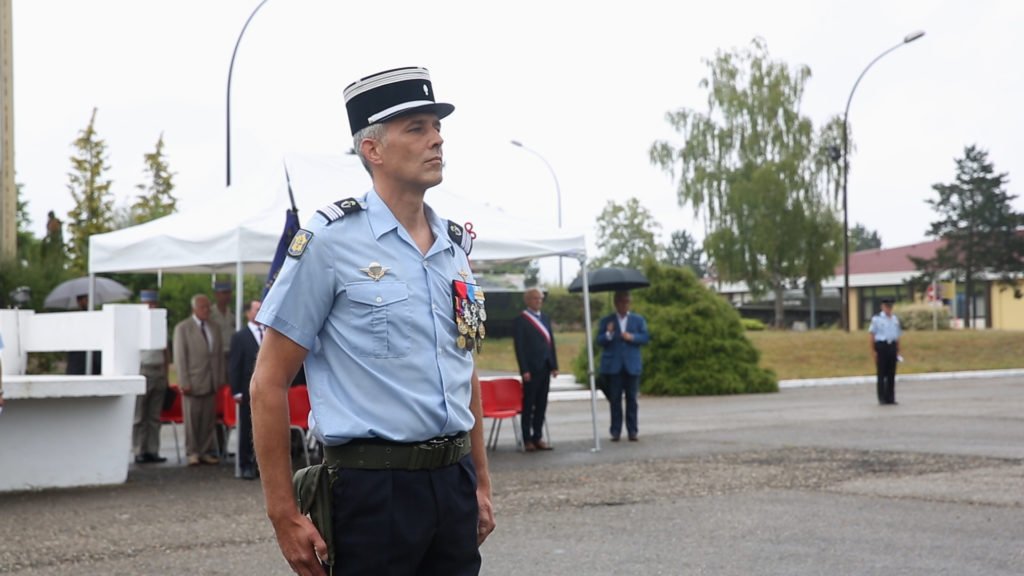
698,345
752,324
922,316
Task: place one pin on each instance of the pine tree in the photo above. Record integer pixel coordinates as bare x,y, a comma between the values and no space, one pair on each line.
979,225
94,203
157,199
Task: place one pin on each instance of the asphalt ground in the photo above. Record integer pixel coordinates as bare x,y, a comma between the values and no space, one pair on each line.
809,481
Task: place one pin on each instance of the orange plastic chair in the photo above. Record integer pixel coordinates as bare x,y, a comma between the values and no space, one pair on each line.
501,399
174,416
298,414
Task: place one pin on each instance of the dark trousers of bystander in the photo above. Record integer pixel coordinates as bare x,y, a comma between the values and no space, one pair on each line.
886,365
535,406
626,384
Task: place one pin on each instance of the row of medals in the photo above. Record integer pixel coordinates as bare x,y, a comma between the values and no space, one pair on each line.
471,326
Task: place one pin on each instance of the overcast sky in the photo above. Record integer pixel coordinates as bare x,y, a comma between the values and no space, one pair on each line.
586,85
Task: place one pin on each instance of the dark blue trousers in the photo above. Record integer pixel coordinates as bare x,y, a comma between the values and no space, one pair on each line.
535,405
886,364
618,384
406,523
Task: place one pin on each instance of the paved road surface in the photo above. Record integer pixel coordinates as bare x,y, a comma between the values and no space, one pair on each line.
810,481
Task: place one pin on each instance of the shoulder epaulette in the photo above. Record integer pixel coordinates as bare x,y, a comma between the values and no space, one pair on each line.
461,237
337,210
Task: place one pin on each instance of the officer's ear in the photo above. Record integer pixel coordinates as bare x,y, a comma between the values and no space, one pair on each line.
372,150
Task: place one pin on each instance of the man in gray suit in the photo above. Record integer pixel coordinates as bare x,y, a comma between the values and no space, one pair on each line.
199,359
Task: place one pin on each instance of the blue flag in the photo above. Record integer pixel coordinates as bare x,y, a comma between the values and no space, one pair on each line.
291,226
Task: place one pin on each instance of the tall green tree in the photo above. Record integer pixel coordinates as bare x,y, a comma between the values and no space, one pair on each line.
27,244
90,189
757,172
863,239
979,225
683,251
157,198
626,235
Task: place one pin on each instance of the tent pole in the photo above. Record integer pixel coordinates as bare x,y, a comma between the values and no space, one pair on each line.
238,294
590,353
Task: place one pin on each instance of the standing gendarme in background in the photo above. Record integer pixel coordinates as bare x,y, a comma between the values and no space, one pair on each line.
885,349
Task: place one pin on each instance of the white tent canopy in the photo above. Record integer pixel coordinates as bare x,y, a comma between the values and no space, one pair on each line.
240,228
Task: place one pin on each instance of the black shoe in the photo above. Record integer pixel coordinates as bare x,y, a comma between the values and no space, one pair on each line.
615,438
156,458
142,459
248,474
634,438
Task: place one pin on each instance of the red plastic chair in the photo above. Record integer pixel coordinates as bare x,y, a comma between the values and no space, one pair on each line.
298,414
227,416
502,398
174,416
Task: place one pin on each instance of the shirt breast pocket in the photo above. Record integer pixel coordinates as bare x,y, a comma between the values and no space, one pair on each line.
380,319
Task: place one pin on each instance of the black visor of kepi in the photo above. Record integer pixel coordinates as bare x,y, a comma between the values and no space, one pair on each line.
388,94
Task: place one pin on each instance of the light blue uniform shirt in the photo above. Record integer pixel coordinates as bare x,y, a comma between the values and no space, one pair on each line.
885,328
382,359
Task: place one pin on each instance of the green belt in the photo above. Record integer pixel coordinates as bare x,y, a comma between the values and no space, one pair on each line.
376,454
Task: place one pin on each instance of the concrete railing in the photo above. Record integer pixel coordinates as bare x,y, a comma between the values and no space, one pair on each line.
60,431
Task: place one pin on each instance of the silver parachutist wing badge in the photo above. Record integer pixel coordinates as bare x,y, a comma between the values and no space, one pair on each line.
375,271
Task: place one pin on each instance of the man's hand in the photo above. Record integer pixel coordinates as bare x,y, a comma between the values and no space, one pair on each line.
526,376
554,373
610,327
627,336
485,525
238,398
301,545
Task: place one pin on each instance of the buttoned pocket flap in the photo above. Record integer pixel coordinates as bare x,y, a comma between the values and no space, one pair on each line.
378,293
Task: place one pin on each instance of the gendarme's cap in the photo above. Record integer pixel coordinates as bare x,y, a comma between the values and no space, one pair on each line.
385,95
147,296
222,287
887,300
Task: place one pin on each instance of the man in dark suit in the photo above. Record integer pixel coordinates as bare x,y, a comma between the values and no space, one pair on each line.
245,346
538,362
621,335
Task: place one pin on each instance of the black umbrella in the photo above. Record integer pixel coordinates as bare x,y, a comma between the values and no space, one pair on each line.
611,279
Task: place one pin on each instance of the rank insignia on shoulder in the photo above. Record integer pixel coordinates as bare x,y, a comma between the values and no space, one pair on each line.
337,210
463,237
299,243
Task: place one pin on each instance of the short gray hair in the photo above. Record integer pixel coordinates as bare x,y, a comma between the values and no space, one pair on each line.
371,132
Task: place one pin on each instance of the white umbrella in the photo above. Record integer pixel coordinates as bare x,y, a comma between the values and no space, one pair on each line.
66,294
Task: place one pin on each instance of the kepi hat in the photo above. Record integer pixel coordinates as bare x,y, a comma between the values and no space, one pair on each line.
887,300
222,287
147,296
386,95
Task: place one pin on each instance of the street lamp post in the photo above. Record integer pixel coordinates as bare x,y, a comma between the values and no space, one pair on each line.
558,193
231,69
846,168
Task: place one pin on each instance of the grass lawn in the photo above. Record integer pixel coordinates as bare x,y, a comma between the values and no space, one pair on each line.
829,353
824,353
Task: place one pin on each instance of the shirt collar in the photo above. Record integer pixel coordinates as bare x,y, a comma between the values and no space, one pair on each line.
383,221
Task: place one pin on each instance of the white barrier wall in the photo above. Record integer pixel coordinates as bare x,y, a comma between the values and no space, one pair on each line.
60,431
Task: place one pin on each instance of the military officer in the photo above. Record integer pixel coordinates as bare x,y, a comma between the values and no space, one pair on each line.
378,299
